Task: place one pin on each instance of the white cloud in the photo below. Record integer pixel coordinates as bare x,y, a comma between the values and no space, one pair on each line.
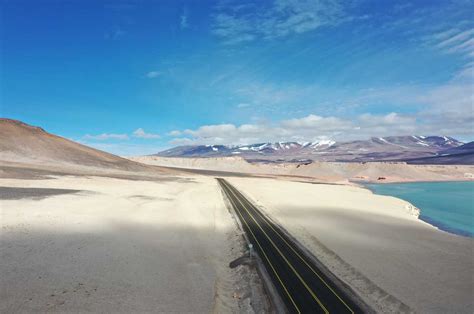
107,136
308,128
174,133
240,23
451,107
211,130
153,74
317,122
445,110
140,133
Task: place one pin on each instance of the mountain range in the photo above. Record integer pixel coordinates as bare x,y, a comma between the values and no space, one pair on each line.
22,142
411,149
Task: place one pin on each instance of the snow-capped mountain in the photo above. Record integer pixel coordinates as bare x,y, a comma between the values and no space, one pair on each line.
252,149
376,148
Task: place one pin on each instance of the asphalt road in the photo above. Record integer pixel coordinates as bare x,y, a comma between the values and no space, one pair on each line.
301,284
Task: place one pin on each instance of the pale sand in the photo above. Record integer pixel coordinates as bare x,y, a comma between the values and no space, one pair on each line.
322,171
121,246
392,254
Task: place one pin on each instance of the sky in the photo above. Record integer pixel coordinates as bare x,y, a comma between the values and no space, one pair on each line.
137,77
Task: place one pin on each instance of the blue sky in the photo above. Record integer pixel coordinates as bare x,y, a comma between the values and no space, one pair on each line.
136,77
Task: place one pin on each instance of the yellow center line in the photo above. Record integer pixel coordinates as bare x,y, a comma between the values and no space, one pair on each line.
309,266
282,255
265,255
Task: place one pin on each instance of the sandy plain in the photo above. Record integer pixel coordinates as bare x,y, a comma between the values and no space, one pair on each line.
322,171
111,245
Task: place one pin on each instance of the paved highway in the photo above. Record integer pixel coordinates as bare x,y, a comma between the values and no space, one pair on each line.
302,286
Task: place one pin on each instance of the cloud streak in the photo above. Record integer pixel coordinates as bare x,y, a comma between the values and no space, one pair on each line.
138,133
455,41
238,23
183,20
106,136
153,74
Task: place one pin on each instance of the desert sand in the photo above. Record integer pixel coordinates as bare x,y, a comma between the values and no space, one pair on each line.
376,244
322,171
108,245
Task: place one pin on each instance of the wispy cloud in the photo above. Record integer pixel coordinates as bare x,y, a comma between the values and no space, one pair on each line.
237,23
153,74
114,33
106,136
455,41
140,133
466,73
243,105
459,42
183,20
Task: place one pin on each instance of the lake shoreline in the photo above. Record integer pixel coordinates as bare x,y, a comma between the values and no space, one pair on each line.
427,214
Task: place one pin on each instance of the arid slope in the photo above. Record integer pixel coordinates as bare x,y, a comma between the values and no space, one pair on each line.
23,143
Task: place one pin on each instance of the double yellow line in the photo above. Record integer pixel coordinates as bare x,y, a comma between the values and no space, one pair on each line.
263,251
282,255
301,258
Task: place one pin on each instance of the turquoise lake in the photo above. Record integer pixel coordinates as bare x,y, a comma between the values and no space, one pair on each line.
447,205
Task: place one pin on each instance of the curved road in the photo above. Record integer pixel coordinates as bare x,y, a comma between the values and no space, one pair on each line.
303,287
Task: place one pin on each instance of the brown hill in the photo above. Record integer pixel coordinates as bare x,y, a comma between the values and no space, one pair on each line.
23,143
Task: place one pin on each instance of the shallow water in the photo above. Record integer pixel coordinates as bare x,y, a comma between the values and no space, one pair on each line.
447,205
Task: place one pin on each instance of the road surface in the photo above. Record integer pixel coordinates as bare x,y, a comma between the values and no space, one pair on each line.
302,286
